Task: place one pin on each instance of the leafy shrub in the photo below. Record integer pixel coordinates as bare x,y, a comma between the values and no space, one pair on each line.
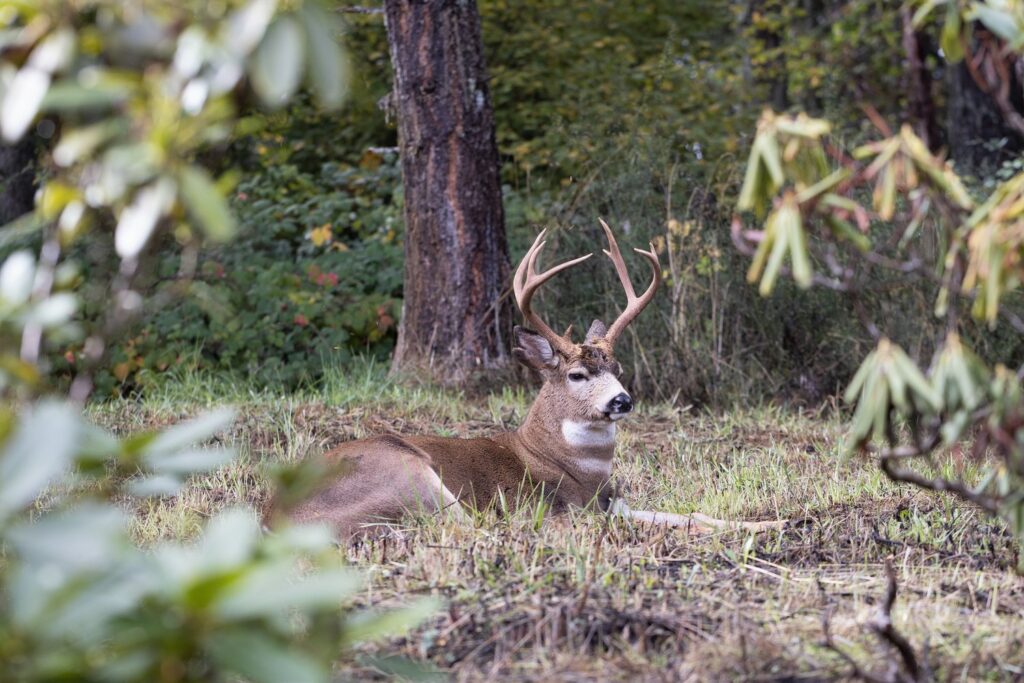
140,97
597,110
314,279
965,255
80,602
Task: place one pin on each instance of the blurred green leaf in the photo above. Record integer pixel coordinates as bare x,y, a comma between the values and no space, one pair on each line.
887,379
328,63
245,27
229,539
276,66
22,100
396,622
275,589
38,452
89,536
188,461
155,485
206,204
16,277
924,10
69,96
139,219
181,436
77,143
998,20
950,38
257,657
53,310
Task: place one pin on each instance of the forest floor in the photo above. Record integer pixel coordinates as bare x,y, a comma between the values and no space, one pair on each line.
585,597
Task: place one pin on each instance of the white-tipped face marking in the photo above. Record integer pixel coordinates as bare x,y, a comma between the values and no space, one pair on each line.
595,390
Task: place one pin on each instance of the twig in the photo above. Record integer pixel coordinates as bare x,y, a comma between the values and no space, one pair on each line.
855,669
906,669
877,119
887,461
883,628
359,10
998,91
32,335
888,457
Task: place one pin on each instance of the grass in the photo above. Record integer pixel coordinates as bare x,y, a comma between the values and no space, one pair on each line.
583,597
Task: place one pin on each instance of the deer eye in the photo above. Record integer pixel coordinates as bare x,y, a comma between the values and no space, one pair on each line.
577,376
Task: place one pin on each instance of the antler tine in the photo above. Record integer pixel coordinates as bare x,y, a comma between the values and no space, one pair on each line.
634,304
526,282
615,255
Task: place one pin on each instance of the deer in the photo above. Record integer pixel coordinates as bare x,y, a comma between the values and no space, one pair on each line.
562,451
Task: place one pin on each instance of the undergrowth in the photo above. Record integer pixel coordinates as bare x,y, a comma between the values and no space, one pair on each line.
583,597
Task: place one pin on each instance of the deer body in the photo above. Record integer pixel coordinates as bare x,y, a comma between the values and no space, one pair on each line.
563,449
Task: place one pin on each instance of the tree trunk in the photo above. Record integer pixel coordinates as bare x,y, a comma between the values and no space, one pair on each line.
979,137
456,257
771,73
17,179
922,112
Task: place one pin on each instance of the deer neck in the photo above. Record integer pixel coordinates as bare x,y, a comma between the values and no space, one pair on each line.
582,448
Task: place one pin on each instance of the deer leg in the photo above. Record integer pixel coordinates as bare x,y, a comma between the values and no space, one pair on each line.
694,521
446,502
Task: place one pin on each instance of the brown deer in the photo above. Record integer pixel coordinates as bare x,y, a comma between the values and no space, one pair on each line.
563,450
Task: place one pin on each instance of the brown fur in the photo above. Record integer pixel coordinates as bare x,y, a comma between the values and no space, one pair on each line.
389,475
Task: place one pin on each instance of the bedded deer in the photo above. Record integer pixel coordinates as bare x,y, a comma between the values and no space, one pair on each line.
563,450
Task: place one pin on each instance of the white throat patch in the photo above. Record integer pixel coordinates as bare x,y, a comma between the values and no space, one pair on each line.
588,434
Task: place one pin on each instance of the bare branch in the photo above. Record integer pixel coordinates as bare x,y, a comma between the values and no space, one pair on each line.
32,334
359,10
883,628
999,90
855,669
887,462
905,670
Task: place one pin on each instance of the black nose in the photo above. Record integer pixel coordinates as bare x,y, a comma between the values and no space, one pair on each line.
620,404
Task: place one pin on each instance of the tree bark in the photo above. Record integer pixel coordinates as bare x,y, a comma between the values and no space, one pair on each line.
17,179
922,112
979,137
454,320
772,72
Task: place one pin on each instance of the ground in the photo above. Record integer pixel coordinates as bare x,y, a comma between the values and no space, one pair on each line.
588,598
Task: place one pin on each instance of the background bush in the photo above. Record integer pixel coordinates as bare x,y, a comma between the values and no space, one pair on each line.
638,113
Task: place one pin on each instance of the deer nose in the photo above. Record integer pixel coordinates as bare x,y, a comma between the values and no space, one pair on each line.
620,404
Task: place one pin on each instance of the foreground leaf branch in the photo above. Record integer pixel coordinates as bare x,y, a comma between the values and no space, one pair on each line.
893,206
138,95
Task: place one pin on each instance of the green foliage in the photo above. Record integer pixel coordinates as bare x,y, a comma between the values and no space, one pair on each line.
140,94
919,223
314,280
597,109
80,602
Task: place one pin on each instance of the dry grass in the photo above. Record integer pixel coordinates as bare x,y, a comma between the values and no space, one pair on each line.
588,598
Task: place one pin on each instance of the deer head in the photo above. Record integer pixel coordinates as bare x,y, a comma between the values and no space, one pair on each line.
581,380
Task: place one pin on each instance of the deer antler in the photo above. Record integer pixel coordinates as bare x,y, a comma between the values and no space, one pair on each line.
634,303
526,282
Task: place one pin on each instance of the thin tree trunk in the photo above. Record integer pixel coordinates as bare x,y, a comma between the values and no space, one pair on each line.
922,112
17,179
979,138
456,256
772,72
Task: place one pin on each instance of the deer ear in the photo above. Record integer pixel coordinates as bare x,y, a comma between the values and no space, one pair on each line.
533,350
597,331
